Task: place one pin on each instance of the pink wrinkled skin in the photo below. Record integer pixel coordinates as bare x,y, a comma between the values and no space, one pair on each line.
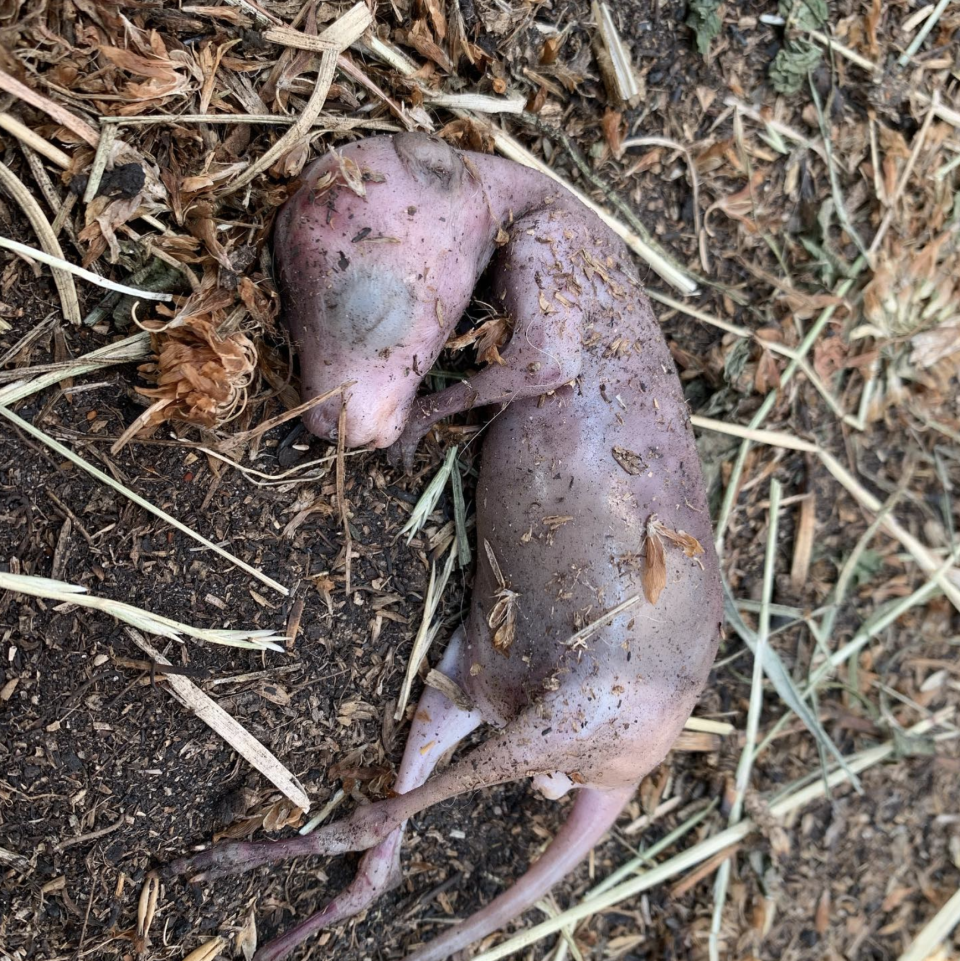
373,287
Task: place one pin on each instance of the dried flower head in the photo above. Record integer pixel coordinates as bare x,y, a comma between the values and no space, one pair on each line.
914,290
202,378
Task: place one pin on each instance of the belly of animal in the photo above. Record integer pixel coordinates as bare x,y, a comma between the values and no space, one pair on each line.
596,603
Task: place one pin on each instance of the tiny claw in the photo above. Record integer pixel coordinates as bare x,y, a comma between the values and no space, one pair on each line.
401,452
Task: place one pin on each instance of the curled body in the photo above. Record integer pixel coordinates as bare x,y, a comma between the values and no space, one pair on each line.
589,453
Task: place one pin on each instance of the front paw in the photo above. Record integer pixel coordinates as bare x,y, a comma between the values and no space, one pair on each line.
402,451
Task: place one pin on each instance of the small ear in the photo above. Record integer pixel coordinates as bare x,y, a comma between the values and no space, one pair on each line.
431,162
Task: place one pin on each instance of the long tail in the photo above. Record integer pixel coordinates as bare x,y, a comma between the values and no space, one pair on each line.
594,812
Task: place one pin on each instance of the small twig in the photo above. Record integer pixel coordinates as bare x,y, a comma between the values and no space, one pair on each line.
100,160
91,835
59,113
846,52
326,122
616,54
479,103
604,620
243,437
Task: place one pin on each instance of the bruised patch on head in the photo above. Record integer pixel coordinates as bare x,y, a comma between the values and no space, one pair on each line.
372,309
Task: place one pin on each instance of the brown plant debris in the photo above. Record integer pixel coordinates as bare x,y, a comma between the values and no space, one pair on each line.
202,378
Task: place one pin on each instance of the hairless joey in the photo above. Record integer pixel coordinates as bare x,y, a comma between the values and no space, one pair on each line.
596,602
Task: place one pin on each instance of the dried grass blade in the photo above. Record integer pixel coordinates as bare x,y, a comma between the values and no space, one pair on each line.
782,681
949,581
748,754
33,140
428,629
428,500
48,241
59,263
935,932
460,517
65,593
347,30
137,499
227,727
123,351
923,33
623,77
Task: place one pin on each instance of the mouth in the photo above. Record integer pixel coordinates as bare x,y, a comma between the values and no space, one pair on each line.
375,427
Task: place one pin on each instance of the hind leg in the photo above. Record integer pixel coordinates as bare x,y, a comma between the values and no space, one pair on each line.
438,725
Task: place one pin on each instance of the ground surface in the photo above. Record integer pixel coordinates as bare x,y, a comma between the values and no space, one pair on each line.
103,775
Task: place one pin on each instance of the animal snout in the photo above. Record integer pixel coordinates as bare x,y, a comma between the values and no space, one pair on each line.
323,419
377,428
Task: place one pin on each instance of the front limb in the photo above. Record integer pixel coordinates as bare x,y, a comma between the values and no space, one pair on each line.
544,352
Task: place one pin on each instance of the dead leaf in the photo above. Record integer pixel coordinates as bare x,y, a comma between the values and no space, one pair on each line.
655,571
450,689
489,337
502,618
691,546
551,50
281,814
613,128
767,376
247,936
932,346
743,205
829,356
467,134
